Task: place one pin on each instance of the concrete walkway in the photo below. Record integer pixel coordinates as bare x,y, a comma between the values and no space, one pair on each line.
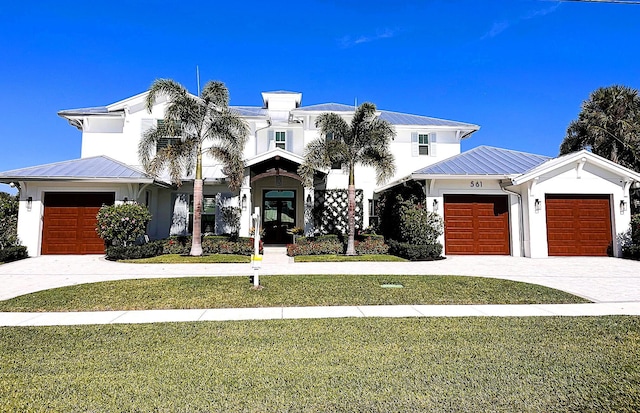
612,284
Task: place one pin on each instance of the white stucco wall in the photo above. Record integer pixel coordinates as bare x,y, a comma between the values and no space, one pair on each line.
566,180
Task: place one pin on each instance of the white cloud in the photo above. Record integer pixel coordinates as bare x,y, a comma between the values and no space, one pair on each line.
349,41
499,27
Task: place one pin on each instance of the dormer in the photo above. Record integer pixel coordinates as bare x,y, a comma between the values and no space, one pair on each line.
279,104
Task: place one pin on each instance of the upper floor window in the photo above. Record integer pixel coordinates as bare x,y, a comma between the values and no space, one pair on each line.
168,140
422,144
281,139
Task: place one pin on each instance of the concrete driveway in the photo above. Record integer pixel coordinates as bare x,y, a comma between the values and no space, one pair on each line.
595,278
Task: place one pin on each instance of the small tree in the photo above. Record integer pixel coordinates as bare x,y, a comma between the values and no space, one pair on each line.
8,220
122,224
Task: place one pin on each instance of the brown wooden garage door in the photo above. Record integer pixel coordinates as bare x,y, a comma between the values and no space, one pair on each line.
69,224
578,225
476,224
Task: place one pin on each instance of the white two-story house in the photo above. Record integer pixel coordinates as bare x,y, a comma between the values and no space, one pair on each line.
494,201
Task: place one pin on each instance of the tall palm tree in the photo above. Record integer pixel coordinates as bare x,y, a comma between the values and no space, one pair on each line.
363,142
194,126
609,125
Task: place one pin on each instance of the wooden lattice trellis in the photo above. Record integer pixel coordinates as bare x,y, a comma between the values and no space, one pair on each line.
330,211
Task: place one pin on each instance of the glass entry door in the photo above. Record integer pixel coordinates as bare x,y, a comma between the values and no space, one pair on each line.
278,215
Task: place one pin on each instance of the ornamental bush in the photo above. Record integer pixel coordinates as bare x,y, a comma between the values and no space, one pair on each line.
8,220
133,252
631,239
372,244
13,253
210,245
423,252
327,244
122,224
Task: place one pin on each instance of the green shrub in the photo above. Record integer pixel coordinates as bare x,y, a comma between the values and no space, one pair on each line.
371,245
8,220
631,239
416,225
122,224
412,252
132,252
13,253
210,245
326,244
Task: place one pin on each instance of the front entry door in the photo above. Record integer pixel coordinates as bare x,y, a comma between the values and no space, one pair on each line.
278,215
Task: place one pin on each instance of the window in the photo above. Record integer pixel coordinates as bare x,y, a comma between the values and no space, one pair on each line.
373,213
422,144
208,224
167,141
281,139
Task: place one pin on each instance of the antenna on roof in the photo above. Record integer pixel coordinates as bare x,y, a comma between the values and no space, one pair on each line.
198,79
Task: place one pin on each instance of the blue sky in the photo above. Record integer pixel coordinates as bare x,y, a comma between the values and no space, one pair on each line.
518,68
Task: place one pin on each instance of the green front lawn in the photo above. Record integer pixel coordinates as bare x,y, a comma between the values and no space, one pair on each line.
546,364
284,290
186,259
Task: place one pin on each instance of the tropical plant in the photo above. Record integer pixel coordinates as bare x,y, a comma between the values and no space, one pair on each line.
365,141
608,125
122,224
194,126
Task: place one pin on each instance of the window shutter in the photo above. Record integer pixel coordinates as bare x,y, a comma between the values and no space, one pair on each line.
432,144
414,144
272,140
289,143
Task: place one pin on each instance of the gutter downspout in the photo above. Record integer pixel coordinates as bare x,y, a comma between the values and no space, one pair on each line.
503,186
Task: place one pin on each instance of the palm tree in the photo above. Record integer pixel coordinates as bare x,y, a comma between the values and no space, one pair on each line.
365,142
609,125
193,126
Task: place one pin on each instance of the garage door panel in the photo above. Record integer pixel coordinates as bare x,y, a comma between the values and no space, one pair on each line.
69,222
476,224
578,225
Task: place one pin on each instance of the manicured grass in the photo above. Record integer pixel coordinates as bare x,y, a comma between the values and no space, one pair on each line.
546,364
284,290
185,259
346,258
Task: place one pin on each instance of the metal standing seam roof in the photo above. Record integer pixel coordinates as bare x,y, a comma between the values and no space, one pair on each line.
395,118
485,160
250,110
98,110
98,167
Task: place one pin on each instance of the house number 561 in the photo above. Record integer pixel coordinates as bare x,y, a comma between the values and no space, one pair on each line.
476,184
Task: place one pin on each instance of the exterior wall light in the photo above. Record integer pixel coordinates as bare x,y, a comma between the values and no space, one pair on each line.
435,205
244,202
537,205
309,200
29,203
623,206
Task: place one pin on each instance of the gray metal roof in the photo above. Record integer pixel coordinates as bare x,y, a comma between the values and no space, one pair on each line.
250,110
395,118
485,160
328,107
98,167
282,92
85,111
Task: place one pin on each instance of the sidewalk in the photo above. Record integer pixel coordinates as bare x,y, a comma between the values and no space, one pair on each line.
289,313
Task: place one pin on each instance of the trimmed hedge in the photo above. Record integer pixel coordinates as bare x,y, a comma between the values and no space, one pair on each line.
372,244
132,252
14,253
631,242
210,245
332,244
325,244
413,252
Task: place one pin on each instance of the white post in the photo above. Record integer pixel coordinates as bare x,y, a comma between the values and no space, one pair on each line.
256,258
